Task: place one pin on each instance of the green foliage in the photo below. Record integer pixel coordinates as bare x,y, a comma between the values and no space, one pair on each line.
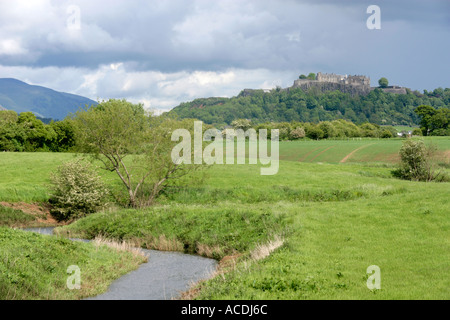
377,107
243,124
77,190
311,76
416,162
27,133
13,218
65,135
433,121
115,129
386,134
417,132
226,230
314,132
297,133
383,82
327,130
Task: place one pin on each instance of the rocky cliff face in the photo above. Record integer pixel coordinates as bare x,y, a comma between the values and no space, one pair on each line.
397,90
330,86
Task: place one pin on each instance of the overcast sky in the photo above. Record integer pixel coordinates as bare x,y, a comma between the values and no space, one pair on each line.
163,52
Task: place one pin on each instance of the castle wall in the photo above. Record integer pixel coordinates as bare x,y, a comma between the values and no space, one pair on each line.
397,90
353,85
325,82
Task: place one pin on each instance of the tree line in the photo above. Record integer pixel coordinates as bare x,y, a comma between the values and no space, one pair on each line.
433,122
338,129
25,132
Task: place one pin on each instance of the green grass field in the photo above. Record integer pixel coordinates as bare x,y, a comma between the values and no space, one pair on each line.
34,266
404,128
354,150
336,219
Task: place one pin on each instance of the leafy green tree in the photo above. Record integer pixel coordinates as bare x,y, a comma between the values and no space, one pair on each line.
383,82
8,116
425,113
243,124
440,121
369,130
417,132
328,129
392,130
36,135
313,132
312,76
386,134
133,144
65,135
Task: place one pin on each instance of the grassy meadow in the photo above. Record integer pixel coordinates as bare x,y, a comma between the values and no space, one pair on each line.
35,266
308,232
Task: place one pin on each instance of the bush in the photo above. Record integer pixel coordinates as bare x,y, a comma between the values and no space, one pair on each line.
386,134
314,132
297,133
77,190
416,162
417,132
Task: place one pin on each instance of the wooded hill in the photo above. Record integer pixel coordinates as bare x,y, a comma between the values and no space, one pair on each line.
294,104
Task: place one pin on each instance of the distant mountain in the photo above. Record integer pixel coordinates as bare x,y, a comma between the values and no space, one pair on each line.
43,102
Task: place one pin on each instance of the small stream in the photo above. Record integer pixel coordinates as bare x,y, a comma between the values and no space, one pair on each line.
163,277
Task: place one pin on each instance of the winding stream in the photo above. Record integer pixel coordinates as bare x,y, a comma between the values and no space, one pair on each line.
163,277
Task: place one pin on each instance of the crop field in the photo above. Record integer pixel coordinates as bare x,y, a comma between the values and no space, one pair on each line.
311,231
354,150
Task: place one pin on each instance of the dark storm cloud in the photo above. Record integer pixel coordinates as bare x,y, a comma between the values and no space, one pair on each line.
174,50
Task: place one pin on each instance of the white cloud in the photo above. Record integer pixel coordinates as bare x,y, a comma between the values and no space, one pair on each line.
155,89
11,47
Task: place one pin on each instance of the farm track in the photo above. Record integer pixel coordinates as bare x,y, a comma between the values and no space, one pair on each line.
353,152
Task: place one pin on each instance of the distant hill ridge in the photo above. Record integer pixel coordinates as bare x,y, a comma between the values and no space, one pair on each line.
44,102
324,97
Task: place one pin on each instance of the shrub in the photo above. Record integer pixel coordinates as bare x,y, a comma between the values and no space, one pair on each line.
417,132
77,190
297,133
386,134
416,162
314,132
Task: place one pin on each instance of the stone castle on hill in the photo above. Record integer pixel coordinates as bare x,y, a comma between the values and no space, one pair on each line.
356,84
353,85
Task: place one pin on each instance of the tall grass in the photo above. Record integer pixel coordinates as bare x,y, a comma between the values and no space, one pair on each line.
34,266
14,218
